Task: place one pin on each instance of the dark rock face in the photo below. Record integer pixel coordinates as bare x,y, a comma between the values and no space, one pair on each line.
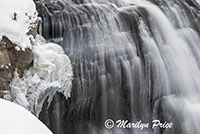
21,60
6,70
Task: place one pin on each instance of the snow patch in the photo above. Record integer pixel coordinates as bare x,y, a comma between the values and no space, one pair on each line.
17,120
17,18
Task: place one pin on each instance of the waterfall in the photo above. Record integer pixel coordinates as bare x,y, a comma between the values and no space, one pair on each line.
132,59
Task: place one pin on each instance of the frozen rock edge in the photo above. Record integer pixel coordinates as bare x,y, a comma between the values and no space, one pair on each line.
31,70
51,73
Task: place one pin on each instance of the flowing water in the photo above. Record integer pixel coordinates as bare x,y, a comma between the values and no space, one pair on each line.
132,59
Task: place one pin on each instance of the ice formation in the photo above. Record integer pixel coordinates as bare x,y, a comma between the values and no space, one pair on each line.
51,73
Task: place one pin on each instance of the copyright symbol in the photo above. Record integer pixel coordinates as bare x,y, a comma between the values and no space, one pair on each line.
109,123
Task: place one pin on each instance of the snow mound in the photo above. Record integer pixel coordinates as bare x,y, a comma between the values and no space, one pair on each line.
51,73
17,18
17,120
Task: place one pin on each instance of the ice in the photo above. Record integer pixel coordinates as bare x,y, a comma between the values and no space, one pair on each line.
51,73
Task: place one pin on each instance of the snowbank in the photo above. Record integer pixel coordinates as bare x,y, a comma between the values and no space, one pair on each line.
17,120
17,18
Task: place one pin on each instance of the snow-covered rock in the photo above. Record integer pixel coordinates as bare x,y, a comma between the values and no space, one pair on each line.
18,27
51,73
17,120
17,18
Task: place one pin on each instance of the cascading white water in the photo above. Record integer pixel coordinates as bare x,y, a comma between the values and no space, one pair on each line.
132,59
178,67
170,52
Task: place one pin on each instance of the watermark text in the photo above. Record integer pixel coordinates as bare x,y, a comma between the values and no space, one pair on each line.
125,124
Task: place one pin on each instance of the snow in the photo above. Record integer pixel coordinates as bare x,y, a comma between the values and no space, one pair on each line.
17,120
51,73
17,18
